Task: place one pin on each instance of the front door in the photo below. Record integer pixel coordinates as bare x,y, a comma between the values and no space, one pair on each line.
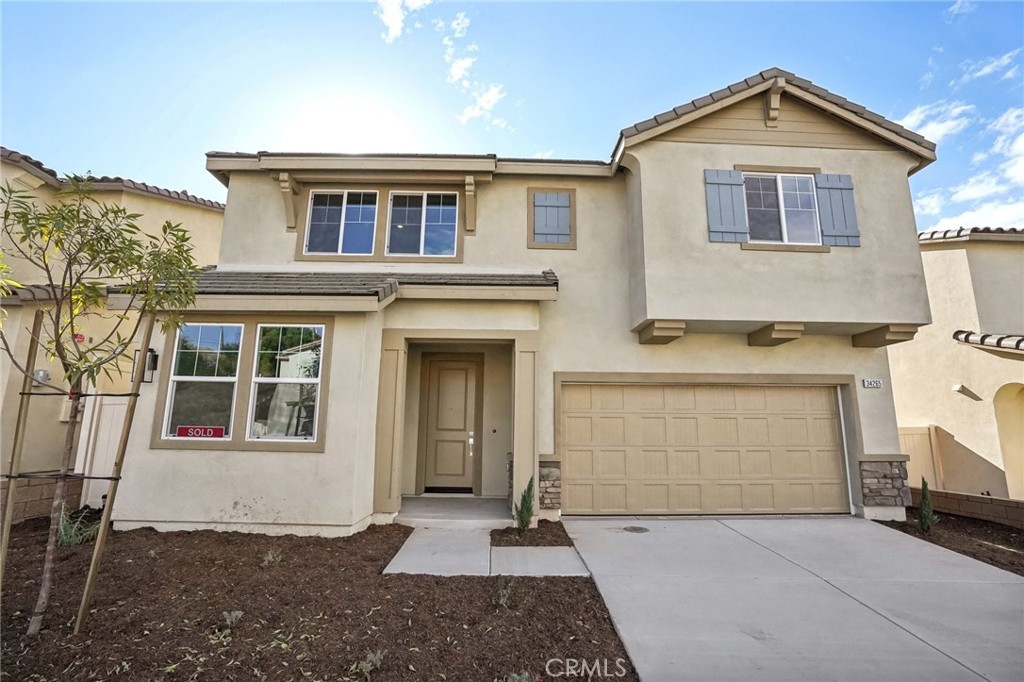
450,438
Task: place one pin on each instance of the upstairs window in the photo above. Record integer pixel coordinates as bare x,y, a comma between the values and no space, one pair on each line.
781,208
552,219
342,223
423,224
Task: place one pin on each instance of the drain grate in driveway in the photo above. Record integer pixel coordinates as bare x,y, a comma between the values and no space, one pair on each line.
636,529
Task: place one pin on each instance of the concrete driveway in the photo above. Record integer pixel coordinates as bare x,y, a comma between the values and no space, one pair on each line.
801,599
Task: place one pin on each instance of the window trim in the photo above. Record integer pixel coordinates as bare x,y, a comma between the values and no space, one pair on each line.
778,175
256,381
341,229
237,441
175,378
423,226
531,243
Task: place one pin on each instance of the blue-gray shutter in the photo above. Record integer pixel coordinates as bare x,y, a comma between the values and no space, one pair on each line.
835,210
727,212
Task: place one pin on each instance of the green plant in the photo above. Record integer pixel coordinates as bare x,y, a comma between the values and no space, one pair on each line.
231,618
926,517
74,529
504,590
524,676
524,510
271,558
371,662
76,246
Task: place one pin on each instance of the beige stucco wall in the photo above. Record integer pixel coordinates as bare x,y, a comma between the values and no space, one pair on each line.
971,285
691,279
281,492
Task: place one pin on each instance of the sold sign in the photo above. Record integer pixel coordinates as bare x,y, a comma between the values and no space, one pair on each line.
200,432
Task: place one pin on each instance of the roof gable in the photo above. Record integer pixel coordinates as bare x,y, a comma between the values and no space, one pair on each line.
775,89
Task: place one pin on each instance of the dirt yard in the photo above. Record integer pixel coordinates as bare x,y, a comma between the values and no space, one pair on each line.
546,534
993,543
230,606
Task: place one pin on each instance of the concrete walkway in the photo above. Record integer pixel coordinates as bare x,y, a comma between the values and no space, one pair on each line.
468,551
801,599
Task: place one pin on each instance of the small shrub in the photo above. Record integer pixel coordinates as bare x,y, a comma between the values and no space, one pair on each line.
271,558
363,668
73,529
504,591
517,677
524,510
926,517
231,618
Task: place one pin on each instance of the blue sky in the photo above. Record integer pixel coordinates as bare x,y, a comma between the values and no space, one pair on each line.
143,90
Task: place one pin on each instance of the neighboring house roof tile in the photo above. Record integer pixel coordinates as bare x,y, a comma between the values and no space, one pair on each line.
791,78
106,182
967,232
213,282
1006,341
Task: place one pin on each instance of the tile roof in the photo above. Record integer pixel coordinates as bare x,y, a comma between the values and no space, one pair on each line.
107,182
213,282
1004,341
966,232
791,79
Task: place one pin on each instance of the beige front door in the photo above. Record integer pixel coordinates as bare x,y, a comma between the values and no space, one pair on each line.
701,449
450,431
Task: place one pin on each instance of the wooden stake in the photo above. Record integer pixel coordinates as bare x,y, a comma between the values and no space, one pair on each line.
122,447
14,468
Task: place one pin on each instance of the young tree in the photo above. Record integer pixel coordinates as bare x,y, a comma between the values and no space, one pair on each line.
926,517
75,247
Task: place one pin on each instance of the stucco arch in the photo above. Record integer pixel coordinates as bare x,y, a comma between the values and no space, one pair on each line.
1009,409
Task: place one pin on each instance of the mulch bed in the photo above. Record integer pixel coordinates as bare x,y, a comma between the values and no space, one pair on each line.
546,534
993,543
311,609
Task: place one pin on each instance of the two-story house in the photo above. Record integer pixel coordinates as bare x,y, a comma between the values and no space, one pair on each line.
48,416
696,326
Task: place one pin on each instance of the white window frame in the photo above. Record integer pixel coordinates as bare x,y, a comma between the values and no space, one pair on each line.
341,228
423,226
782,207
229,432
257,380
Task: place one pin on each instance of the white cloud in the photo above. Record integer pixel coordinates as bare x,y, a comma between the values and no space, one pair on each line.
978,157
993,65
483,105
981,186
929,204
1011,73
394,12
957,9
938,120
1010,144
1000,213
546,154
460,25
458,69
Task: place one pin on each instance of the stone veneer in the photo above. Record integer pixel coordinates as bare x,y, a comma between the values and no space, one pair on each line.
884,484
549,492
33,497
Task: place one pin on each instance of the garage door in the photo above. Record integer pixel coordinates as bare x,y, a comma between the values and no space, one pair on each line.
692,449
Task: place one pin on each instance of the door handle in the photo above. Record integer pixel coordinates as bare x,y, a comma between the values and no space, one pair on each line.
471,443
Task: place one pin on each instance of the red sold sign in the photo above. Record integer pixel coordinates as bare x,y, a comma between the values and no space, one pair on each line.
200,432
79,338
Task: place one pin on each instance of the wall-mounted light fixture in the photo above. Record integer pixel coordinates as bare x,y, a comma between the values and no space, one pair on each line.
40,377
152,360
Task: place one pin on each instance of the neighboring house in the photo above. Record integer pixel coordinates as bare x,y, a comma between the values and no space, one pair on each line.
48,416
959,386
649,335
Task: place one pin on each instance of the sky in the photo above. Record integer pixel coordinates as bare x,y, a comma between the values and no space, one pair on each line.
144,90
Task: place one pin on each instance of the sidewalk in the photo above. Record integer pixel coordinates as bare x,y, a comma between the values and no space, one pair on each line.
468,551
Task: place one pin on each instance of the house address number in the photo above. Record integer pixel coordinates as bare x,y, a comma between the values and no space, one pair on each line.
872,383
200,432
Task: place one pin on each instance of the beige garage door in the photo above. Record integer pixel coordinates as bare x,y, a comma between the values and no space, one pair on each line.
690,449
